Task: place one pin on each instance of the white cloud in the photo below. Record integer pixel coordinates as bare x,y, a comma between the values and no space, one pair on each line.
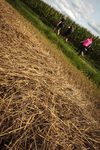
70,14
56,7
65,3
77,5
95,26
83,8
62,5
77,15
81,11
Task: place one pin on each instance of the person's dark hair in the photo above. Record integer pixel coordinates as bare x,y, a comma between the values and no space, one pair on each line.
91,37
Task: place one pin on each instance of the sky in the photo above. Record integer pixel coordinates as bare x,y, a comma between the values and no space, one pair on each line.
86,13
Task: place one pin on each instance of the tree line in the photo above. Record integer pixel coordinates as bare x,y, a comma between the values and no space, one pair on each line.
53,16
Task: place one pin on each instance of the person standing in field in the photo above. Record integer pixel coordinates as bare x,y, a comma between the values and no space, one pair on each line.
68,32
60,25
86,44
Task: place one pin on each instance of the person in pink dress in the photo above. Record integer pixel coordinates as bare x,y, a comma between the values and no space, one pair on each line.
86,44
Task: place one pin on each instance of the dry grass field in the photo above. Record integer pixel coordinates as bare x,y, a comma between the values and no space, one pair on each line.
45,103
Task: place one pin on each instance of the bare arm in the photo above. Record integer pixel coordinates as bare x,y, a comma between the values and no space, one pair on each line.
59,23
69,27
83,41
89,46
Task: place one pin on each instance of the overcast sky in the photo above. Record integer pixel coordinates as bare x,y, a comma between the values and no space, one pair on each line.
84,12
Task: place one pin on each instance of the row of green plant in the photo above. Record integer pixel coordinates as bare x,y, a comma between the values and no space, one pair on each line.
34,19
80,33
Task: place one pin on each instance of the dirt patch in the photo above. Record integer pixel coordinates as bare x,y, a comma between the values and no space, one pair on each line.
40,109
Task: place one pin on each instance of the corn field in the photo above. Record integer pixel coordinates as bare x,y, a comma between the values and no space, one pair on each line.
80,33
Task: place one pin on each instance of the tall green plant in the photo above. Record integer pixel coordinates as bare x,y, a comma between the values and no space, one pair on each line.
79,34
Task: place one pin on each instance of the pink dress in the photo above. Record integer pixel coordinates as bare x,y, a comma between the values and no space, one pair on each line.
87,43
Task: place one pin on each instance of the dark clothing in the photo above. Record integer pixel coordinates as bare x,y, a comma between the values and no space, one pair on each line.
58,27
82,49
68,32
61,24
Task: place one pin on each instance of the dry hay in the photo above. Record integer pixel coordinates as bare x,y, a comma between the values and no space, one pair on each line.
39,109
